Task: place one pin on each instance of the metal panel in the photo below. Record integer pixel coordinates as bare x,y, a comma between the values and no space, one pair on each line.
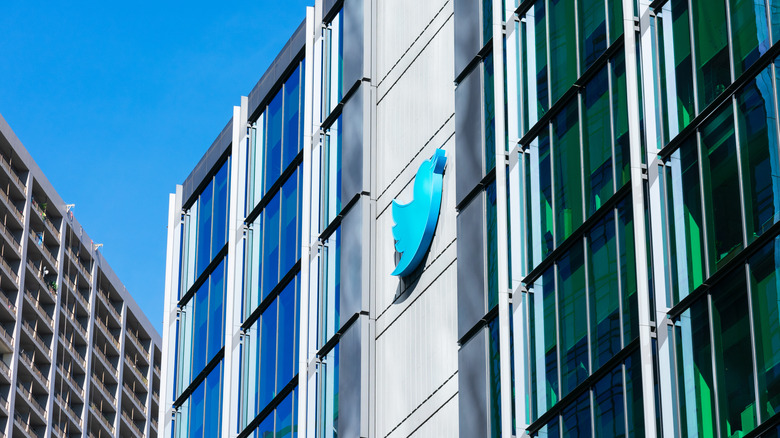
467,32
417,354
469,156
351,266
401,24
353,42
471,255
350,381
472,386
442,424
352,146
414,110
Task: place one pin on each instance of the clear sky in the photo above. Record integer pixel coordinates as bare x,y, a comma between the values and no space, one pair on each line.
117,102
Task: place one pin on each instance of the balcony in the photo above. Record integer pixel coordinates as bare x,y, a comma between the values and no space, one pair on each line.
104,390
32,402
13,242
139,404
139,345
50,257
24,426
39,275
6,165
98,414
106,362
110,336
65,407
75,293
40,210
111,309
6,303
80,329
5,372
12,274
136,371
5,406
37,340
7,338
33,369
130,422
74,386
68,346
80,265
39,309
12,208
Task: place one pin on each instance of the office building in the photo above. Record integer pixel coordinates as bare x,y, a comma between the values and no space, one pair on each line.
78,357
603,263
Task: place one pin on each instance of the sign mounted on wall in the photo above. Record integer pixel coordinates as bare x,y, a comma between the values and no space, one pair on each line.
415,222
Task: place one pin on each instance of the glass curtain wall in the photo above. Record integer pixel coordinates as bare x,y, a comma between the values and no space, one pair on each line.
201,326
271,290
718,135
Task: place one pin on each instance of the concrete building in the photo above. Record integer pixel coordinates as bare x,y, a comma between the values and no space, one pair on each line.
78,358
604,262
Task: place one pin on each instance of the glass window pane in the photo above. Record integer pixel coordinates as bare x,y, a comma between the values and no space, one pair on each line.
733,355
253,267
256,160
495,379
620,119
267,385
289,231
721,187
490,113
567,168
221,196
687,215
266,428
327,397
597,142
575,421
213,414
287,336
273,130
284,417
750,32
204,228
679,36
200,332
711,48
634,401
593,31
330,184
292,123
545,341
758,144
575,366
492,244
271,246
547,227
563,52
696,390
615,20
216,337
609,412
330,288
628,280
765,287
196,414
538,17
604,292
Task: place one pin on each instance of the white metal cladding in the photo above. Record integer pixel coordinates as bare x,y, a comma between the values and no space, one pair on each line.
442,424
444,237
400,25
417,354
415,108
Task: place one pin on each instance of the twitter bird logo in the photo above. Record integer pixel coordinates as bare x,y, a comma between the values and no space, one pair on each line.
415,222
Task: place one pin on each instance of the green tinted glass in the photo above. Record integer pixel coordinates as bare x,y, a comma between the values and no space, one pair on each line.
597,142
567,166
573,316
563,52
710,33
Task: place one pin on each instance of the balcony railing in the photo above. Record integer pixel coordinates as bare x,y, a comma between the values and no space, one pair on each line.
110,336
12,207
37,305
101,418
108,364
46,219
27,395
39,275
34,368
75,292
14,276
7,337
65,406
131,423
6,302
75,322
79,265
138,344
15,243
105,390
73,352
104,296
36,338
133,395
133,366
6,370
24,425
6,164
69,378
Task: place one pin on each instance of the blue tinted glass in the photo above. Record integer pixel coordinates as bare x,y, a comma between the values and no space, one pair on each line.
196,413
213,417
289,224
292,124
216,311
287,335
253,268
271,246
200,332
609,411
267,389
266,428
204,229
299,212
221,184
576,418
273,155
284,417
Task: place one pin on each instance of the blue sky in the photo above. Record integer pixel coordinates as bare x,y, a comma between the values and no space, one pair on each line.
117,101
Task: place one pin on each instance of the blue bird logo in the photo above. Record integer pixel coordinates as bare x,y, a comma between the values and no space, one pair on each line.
415,222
